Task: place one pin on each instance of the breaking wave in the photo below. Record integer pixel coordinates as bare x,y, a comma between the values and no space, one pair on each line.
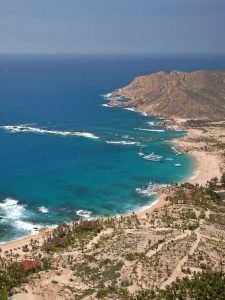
130,109
20,128
126,136
152,123
107,96
177,152
135,110
150,189
123,143
14,214
152,130
86,214
43,209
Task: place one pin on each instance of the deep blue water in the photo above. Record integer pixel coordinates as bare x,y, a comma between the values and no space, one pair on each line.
46,179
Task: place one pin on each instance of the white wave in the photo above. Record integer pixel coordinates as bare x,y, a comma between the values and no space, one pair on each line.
14,213
126,136
130,109
107,96
43,209
11,209
152,130
177,152
84,213
135,110
27,226
153,157
150,189
152,123
21,128
177,165
123,143
106,105
172,128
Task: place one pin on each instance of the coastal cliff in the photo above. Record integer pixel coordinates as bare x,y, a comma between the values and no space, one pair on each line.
186,95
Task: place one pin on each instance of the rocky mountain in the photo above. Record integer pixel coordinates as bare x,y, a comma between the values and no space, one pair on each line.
191,95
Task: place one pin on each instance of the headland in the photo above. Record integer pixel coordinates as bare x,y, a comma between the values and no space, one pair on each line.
142,253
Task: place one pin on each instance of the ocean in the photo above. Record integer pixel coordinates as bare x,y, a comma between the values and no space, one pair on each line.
65,155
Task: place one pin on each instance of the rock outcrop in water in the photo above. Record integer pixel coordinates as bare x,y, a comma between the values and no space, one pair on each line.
194,95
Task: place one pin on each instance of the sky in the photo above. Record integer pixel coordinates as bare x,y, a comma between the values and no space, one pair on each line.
112,26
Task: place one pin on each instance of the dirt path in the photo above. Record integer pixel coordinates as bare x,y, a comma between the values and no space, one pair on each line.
96,238
177,272
152,252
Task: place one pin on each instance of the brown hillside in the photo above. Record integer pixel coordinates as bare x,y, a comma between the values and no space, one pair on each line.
195,95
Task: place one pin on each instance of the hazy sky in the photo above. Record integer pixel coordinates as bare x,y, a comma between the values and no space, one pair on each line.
112,26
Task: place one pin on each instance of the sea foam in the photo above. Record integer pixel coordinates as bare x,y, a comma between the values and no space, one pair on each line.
21,128
152,130
123,143
150,189
130,109
177,152
86,214
11,208
107,96
43,209
106,105
151,123
14,214
135,110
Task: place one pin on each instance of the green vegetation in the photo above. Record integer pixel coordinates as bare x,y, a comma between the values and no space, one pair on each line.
106,271
220,146
135,256
132,251
204,123
77,235
217,219
114,293
201,286
217,184
195,195
11,275
198,123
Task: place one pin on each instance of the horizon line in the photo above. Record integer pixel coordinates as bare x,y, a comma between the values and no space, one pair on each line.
108,54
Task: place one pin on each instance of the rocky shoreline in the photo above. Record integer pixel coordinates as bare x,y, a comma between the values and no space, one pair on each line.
184,95
204,141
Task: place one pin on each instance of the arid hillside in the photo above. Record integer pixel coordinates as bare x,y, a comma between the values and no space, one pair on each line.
194,95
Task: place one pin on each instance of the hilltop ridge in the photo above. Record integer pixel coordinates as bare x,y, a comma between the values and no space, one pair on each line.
188,95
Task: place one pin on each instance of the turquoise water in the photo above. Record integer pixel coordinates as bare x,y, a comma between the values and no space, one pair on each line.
49,172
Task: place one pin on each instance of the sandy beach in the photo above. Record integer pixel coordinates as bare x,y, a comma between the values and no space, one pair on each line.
18,244
208,165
